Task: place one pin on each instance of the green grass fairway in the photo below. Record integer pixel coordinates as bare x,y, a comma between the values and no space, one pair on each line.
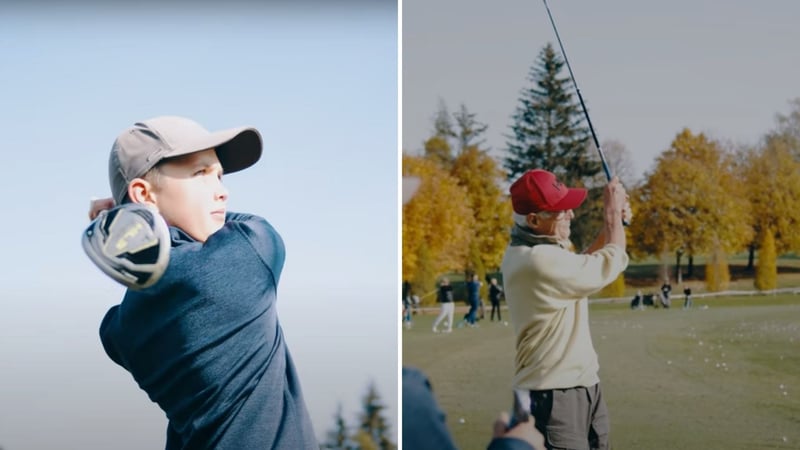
725,377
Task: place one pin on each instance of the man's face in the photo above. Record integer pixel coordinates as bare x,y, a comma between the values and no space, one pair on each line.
190,194
555,224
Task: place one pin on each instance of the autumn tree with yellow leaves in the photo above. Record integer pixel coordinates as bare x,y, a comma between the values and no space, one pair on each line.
479,174
767,270
453,155
691,202
437,223
772,176
787,128
773,179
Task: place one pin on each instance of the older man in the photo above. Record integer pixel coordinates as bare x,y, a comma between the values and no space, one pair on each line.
546,287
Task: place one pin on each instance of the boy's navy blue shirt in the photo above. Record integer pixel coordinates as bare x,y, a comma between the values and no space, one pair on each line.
205,343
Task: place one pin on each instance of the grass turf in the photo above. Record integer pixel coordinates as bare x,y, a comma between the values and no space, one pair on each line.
725,374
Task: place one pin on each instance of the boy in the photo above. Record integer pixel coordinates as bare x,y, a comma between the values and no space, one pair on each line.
204,342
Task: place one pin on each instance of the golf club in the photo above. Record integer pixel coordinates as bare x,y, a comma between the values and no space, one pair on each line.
606,169
130,243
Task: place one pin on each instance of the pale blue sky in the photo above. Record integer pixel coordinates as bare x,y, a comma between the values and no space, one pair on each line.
319,82
646,69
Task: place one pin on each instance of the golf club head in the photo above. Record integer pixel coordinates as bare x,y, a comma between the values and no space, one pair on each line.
130,243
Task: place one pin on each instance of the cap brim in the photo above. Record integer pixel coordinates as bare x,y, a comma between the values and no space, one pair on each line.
237,148
573,199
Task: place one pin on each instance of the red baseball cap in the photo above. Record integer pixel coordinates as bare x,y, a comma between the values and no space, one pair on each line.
538,190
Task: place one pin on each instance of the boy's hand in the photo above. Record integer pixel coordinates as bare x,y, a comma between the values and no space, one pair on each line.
98,205
525,431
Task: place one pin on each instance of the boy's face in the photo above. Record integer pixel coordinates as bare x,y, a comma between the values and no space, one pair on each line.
190,194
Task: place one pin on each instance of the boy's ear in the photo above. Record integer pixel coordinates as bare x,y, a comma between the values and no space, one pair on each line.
141,191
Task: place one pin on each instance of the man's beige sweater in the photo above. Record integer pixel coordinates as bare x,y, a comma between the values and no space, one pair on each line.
546,288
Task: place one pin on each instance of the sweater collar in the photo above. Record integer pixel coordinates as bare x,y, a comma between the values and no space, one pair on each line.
178,236
524,236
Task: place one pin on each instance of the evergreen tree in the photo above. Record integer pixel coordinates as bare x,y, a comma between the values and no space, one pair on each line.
437,147
338,437
442,123
548,130
373,430
549,133
469,129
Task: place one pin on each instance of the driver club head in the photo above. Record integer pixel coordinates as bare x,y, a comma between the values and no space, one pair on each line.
130,243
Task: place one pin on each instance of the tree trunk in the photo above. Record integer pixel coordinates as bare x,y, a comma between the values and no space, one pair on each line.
751,257
690,267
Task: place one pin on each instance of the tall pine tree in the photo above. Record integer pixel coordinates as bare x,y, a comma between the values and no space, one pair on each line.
338,437
373,429
548,129
549,133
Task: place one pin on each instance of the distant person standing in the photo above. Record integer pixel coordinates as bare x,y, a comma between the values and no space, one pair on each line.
473,297
495,291
415,304
638,300
407,304
445,298
666,288
687,300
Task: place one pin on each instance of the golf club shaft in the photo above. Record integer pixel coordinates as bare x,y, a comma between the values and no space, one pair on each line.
603,161
580,97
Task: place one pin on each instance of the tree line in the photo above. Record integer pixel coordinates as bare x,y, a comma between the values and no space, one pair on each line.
371,431
702,197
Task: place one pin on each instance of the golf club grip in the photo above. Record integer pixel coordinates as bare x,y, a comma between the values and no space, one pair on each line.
607,170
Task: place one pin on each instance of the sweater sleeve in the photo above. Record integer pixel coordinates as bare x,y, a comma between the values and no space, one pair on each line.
259,235
578,275
108,344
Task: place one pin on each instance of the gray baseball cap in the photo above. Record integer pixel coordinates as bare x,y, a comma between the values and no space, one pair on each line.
140,147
